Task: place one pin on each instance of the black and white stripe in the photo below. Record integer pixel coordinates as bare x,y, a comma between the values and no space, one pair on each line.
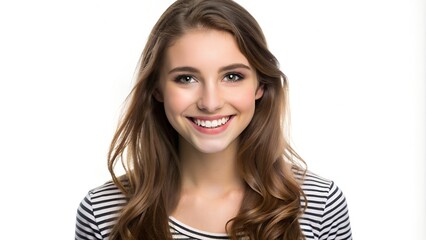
98,211
182,231
326,216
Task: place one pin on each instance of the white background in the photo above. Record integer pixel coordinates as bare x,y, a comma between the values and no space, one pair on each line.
357,90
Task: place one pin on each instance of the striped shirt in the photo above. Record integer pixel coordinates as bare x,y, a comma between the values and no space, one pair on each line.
326,216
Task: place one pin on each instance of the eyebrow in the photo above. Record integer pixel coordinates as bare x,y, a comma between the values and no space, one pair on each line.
222,69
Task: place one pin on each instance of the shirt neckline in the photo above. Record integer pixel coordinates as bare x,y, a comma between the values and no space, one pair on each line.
188,230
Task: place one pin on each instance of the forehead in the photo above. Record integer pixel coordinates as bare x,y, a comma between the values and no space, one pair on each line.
204,47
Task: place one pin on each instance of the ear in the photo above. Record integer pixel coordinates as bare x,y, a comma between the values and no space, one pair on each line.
259,91
158,95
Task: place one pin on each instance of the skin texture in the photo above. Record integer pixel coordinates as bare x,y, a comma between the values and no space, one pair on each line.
206,77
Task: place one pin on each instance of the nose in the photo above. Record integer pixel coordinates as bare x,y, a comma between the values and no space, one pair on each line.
211,98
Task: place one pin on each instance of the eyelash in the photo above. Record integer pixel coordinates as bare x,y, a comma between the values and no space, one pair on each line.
187,79
238,75
183,79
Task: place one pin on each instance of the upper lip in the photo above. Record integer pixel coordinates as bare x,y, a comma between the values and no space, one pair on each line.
210,118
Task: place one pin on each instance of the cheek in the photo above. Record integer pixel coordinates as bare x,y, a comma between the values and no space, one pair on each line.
175,101
243,99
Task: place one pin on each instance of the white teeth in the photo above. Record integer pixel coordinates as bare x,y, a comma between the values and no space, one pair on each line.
211,124
214,123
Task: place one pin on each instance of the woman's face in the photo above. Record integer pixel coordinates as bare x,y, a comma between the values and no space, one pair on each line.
208,89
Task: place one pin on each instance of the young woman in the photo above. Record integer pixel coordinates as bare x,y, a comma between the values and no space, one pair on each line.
202,142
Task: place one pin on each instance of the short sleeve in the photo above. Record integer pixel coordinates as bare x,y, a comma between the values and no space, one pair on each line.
86,225
335,222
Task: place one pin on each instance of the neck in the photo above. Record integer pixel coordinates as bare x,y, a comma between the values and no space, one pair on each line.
212,172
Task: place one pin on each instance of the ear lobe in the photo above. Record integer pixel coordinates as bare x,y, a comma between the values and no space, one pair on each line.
259,92
158,95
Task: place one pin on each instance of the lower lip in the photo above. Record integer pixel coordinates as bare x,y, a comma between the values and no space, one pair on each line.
215,130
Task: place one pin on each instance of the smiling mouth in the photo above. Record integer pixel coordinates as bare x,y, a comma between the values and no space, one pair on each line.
211,123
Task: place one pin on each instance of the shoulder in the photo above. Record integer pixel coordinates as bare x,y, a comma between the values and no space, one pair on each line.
326,215
106,192
98,211
106,198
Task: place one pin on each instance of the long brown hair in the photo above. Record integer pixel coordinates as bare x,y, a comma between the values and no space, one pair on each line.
146,143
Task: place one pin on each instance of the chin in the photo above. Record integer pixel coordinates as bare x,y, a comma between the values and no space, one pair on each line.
212,148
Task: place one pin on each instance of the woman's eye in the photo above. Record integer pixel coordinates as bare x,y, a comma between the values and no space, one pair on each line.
233,77
185,79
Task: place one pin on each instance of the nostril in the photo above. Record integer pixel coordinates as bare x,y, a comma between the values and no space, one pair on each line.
210,101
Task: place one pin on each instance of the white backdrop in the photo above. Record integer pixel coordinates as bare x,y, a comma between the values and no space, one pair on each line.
357,90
